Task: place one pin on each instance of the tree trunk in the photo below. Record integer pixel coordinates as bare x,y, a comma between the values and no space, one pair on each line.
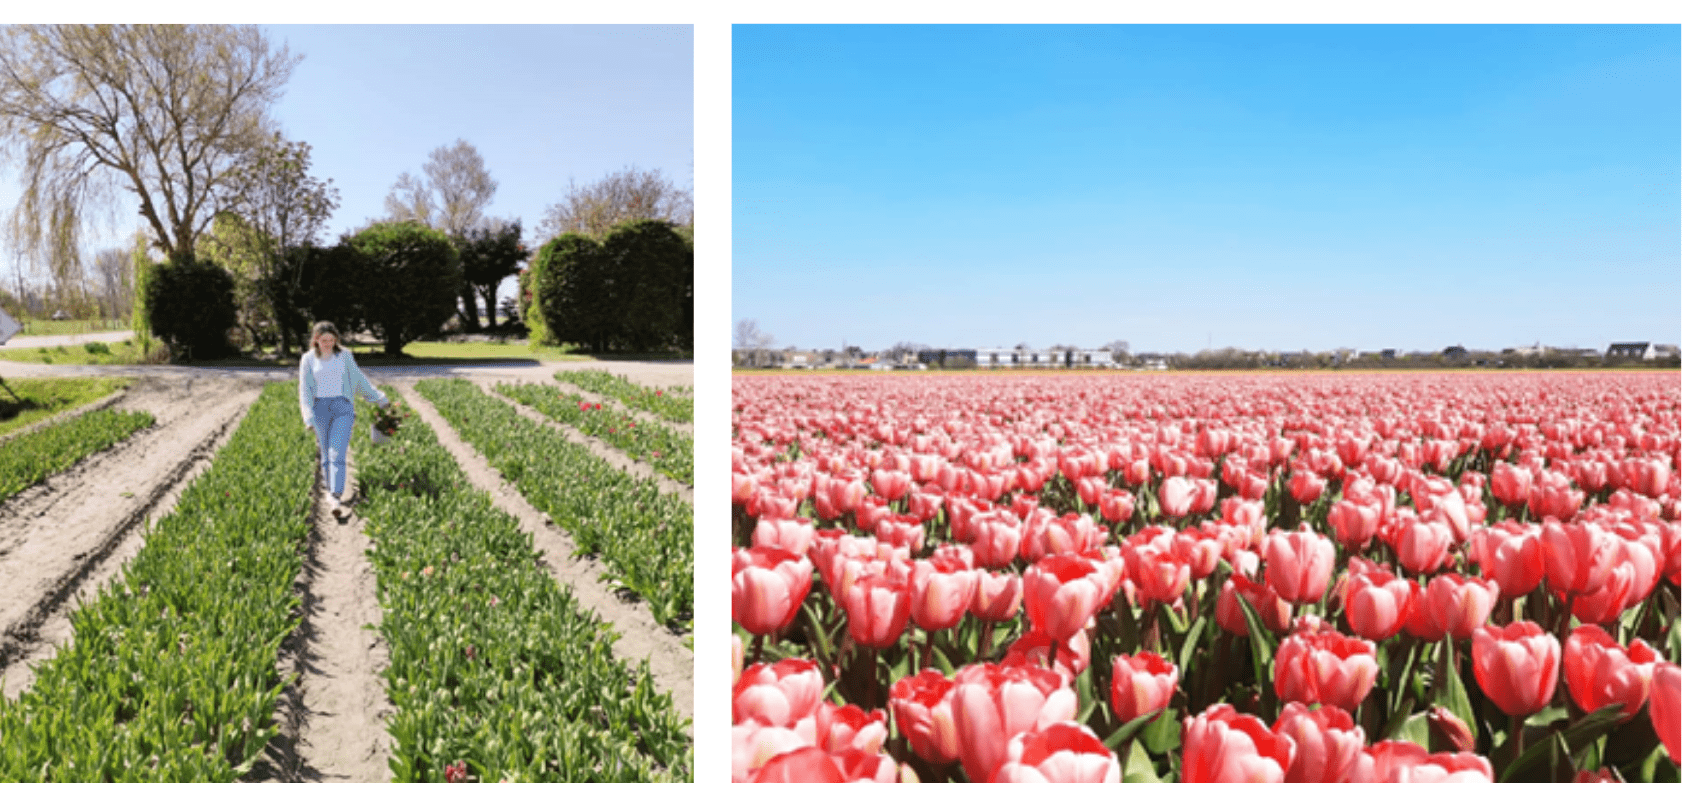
490,293
468,311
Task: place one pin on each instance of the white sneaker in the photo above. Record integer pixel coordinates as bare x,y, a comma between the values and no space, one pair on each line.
335,505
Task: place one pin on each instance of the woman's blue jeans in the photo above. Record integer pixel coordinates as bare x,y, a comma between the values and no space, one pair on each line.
333,421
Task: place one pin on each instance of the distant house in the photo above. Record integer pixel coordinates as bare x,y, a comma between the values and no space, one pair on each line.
997,357
798,359
1640,350
1455,352
1389,353
1091,359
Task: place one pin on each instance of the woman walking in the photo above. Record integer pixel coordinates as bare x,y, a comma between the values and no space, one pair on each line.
329,379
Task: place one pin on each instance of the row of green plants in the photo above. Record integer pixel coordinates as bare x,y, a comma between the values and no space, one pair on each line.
672,404
29,459
667,451
495,672
172,676
645,536
39,399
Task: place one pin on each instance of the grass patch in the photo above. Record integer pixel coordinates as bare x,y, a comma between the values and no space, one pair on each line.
44,398
54,328
88,353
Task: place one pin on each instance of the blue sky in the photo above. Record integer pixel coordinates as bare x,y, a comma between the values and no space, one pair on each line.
542,104
1279,187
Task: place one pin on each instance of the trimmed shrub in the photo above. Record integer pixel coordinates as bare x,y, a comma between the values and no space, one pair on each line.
406,282
191,306
632,292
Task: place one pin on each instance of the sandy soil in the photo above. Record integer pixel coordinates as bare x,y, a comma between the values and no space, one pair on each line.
67,339
334,718
639,636
66,536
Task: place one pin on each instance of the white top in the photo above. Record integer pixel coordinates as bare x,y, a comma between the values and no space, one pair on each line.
328,373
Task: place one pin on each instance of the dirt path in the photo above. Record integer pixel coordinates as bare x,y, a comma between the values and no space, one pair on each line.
65,537
639,636
335,716
602,450
54,340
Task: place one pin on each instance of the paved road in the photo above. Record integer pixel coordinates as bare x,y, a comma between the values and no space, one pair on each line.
67,339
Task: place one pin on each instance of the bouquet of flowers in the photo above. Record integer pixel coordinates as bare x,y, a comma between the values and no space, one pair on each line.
387,423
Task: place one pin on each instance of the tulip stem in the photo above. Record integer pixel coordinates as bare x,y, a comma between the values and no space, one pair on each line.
1515,740
753,655
983,638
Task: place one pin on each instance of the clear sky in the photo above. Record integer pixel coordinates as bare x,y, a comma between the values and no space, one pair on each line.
1262,187
542,104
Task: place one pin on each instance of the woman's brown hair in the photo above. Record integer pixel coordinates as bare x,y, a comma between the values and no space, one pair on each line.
325,327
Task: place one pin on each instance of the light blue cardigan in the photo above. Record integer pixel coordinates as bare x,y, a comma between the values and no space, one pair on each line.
352,380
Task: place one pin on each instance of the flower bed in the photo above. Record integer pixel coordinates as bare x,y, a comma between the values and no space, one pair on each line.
29,459
172,676
1202,578
661,447
495,673
645,536
672,404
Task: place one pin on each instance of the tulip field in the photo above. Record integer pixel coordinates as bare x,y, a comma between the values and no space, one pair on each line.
1460,577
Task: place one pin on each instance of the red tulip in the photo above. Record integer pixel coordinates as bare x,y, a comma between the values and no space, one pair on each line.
1305,486
1606,604
779,694
1511,556
995,541
1552,497
805,765
767,587
1517,667
1665,708
753,744
1034,647
1061,753
793,535
998,596
1457,606
1376,602
993,703
1407,762
1273,611
1298,564
1325,667
1578,556
1158,574
839,729
923,708
1326,742
877,606
832,497
1422,547
1510,484
943,587
891,485
1353,523
1062,592
1600,672
1220,746
1141,684
1117,505
901,530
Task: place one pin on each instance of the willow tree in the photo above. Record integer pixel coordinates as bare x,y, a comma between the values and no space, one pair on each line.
165,112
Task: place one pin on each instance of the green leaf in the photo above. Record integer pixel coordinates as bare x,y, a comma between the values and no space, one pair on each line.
1164,733
1452,693
1128,729
1138,767
1536,764
1262,646
1190,641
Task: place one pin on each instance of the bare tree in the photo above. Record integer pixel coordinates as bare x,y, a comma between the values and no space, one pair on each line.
748,337
274,210
450,197
619,197
113,277
165,112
